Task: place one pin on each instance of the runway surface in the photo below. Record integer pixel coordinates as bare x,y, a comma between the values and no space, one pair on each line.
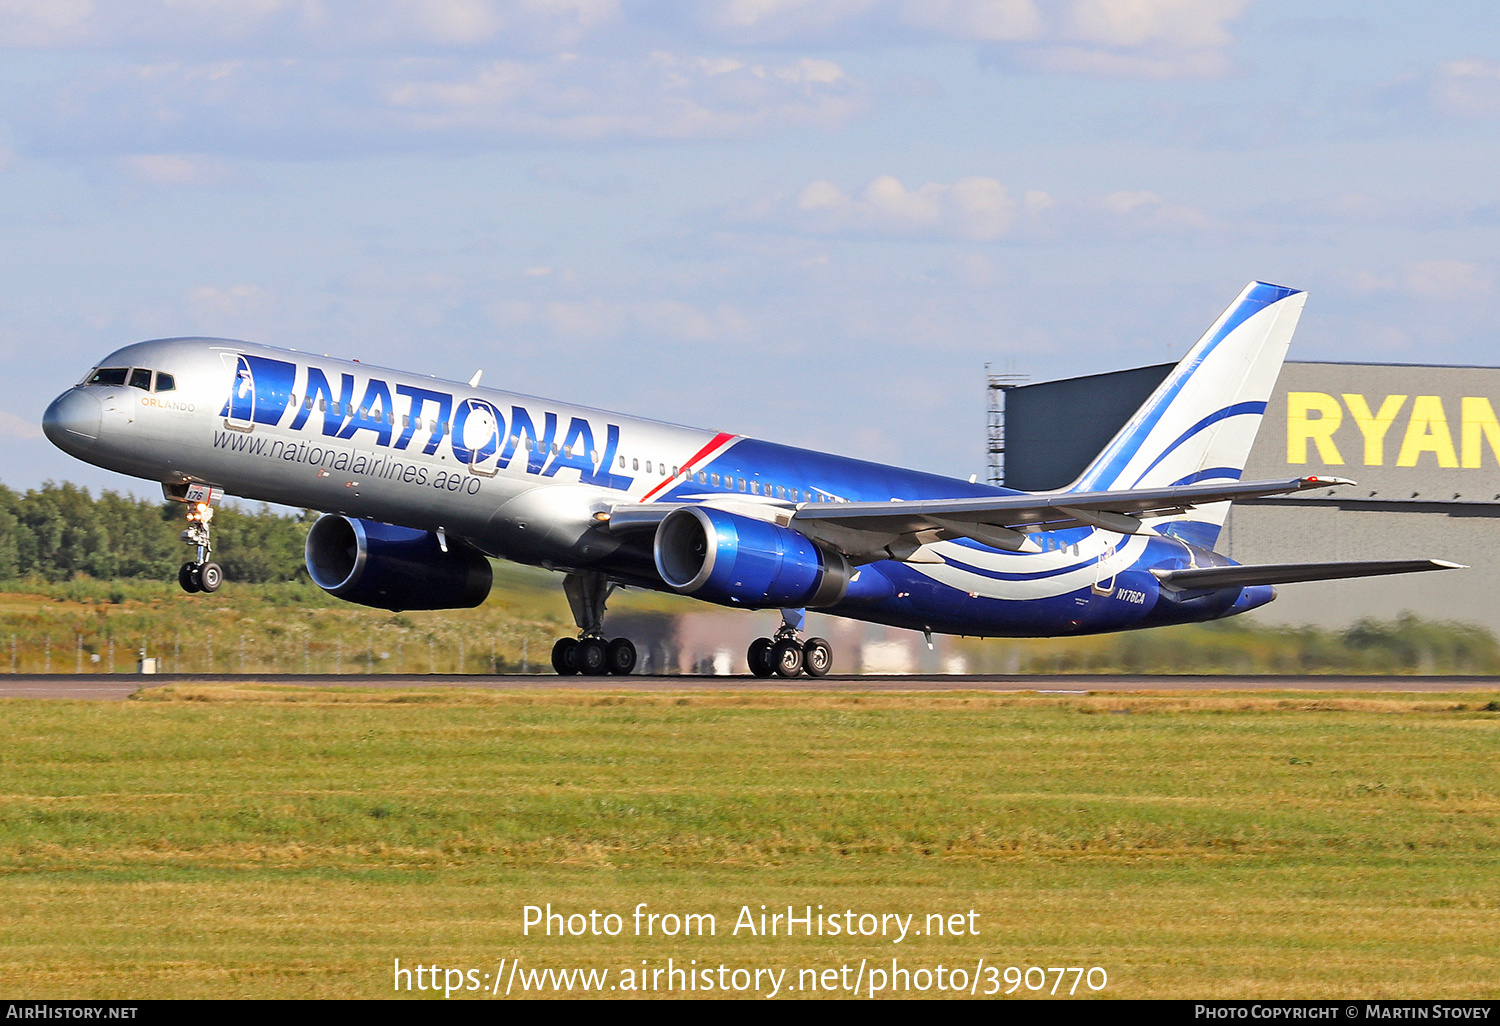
119,686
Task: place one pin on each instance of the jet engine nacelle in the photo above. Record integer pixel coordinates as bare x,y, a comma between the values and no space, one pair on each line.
736,560
394,568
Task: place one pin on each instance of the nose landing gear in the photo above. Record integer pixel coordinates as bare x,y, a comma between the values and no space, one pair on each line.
200,574
782,655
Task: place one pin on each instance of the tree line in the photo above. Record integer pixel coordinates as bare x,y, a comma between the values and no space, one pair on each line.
59,531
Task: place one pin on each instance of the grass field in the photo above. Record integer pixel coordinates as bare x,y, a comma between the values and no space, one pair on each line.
261,842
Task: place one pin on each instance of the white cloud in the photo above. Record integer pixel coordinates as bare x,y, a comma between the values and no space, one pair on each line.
1468,87
12,426
174,169
233,302
315,107
1088,63
667,96
1184,24
188,26
1149,39
44,23
1145,211
975,209
1465,88
1435,279
599,319
986,21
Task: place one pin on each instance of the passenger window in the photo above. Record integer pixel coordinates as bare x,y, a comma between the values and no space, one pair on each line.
140,378
714,480
165,382
648,466
674,471
322,404
742,484
622,462
663,467
530,445
795,496
568,451
702,477
636,465
594,456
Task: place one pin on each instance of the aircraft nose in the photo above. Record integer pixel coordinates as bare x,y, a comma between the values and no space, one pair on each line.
73,416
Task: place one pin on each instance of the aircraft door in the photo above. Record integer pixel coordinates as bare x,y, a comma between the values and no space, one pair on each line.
477,431
239,411
1104,572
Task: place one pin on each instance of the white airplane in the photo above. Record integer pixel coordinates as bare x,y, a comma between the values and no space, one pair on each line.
421,479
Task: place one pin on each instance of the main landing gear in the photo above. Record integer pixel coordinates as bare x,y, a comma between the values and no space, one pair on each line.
589,654
200,574
784,656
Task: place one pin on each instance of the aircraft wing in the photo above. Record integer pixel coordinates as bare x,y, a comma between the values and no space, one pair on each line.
1120,510
1290,573
898,528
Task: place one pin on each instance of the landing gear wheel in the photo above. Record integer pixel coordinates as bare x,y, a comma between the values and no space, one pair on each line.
786,657
565,657
817,657
188,578
210,577
593,657
621,657
759,657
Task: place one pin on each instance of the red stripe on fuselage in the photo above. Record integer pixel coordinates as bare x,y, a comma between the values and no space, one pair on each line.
687,468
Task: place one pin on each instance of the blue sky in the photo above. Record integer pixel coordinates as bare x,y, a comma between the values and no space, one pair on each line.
809,222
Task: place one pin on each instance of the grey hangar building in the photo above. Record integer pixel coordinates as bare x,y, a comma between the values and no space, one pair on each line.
1422,444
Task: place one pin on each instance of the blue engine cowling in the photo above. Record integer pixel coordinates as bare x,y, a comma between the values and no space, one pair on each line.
394,568
735,560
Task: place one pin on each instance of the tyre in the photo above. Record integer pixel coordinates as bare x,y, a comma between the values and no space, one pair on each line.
817,657
759,657
565,656
786,658
593,657
210,577
188,578
621,658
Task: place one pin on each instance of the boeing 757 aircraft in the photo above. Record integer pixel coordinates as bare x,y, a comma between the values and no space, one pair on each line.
421,479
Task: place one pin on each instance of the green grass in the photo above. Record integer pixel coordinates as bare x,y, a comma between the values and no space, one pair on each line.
261,842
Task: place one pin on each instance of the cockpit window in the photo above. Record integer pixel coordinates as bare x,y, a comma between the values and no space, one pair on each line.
109,376
165,382
140,378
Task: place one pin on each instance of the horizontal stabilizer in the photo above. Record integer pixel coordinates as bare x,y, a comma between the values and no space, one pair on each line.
1291,573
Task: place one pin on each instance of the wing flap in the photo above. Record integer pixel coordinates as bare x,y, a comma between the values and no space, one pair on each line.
1293,573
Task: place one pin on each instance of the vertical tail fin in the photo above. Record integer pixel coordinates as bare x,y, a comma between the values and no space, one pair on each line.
1200,422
